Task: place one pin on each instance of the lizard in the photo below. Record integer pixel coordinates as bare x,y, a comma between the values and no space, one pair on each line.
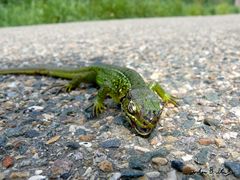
141,102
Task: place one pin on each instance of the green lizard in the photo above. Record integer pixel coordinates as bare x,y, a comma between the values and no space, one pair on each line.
142,103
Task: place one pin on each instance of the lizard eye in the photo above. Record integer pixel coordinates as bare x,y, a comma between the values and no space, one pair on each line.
132,107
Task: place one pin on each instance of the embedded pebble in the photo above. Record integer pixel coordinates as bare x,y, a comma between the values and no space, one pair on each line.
234,167
189,169
187,157
37,177
178,165
212,122
111,143
8,161
60,167
53,139
79,131
86,138
230,135
137,162
153,174
73,145
105,166
35,108
236,111
32,133
3,141
159,161
115,176
130,173
19,175
202,156
220,142
206,141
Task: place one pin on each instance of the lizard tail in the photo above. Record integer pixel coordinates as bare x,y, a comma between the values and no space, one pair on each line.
60,73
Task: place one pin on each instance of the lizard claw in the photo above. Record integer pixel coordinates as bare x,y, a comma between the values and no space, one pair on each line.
98,108
61,88
171,99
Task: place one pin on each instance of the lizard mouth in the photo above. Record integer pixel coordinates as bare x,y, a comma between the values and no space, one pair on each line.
143,131
143,128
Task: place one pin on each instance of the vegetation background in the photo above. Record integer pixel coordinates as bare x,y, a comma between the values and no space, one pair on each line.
27,12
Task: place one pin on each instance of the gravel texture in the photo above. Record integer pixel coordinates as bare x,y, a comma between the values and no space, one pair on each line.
49,136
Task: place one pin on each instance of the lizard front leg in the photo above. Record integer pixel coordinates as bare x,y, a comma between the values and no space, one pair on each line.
167,98
98,105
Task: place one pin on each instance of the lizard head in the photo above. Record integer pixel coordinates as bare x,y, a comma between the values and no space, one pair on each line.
143,109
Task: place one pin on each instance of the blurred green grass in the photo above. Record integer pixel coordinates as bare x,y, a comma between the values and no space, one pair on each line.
27,12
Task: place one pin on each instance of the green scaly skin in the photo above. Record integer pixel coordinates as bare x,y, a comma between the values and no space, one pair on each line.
142,103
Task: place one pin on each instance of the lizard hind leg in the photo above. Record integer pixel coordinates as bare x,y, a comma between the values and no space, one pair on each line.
88,77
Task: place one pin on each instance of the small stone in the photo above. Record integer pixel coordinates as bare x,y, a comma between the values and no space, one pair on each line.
230,135
178,165
15,132
155,141
105,166
141,149
188,169
32,133
35,108
73,145
171,139
86,144
131,173
153,174
235,155
3,141
137,162
111,143
187,157
234,167
159,161
96,125
80,131
78,156
120,120
236,111
212,96
160,152
8,161
88,172
37,177
211,122
115,176
53,139
19,175
220,142
60,167
177,153
38,171
86,138
205,141
202,156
